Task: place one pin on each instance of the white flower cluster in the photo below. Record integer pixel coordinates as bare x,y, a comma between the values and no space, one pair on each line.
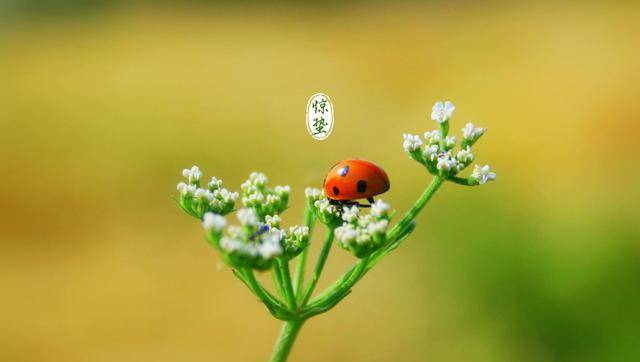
363,234
197,201
266,201
258,240
325,211
253,244
411,142
436,151
213,222
295,240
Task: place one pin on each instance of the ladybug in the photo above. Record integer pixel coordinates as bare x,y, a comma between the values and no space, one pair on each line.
354,179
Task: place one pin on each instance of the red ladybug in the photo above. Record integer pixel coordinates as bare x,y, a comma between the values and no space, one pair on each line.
354,179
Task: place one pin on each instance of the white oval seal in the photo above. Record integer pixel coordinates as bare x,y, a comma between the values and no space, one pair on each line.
319,116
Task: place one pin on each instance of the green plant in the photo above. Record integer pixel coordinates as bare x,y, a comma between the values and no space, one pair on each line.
259,243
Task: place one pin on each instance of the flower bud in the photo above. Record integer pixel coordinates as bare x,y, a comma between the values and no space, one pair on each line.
482,174
214,184
247,217
193,175
295,241
350,214
273,221
471,134
380,209
326,212
412,145
433,137
441,112
449,142
213,222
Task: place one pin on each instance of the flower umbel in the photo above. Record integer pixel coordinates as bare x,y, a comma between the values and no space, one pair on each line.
363,234
197,201
265,201
438,154
259,242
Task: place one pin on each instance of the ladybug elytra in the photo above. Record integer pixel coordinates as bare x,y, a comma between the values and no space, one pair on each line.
354,179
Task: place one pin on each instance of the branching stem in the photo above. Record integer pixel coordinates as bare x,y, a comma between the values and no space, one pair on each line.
322,259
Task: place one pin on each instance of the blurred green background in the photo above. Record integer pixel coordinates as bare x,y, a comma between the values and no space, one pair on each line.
103,103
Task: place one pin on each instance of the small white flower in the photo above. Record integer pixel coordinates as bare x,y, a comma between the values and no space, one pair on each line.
471,132
346,234
214,184
363,237
214,222
204,194
326,208
441,112
270,245
379,209
300,232
449,142
193,174
186,190
433,137
445,162
258,179
273,199
253,199
247,216
431,152
231,245
350,214
483,174
273,220
312,193
246,185
378,227
282,190
465,156
411,142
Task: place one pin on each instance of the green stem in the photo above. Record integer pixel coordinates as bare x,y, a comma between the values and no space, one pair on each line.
436,182
285,340
463,181
309,220
298,280
333,295
271,302
324,253
285,273
277,280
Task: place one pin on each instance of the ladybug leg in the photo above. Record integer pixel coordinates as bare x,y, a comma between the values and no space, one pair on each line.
362,205
351,203
371,200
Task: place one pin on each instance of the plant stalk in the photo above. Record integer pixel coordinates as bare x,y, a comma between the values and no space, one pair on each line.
298,282
287,337
324,253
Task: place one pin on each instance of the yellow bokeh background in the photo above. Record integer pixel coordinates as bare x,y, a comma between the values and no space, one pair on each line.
102,106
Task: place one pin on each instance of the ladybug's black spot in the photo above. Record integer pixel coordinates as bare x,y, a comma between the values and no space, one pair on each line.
336,191
344,171
362,186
